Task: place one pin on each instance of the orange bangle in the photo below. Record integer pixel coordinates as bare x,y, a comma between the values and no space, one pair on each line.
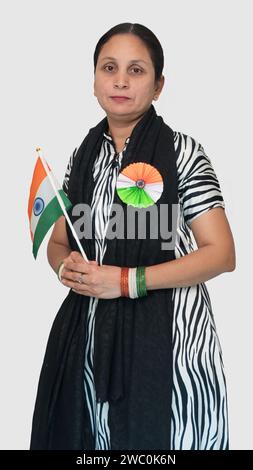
124,282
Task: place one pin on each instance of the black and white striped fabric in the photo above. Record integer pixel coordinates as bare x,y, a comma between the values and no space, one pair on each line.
199,399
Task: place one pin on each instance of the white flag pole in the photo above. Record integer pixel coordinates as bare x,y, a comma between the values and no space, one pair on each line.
62,205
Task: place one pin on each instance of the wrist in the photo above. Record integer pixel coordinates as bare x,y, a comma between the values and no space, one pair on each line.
133,282
148,277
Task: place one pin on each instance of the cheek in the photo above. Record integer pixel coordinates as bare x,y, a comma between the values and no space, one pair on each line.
103,85
144,88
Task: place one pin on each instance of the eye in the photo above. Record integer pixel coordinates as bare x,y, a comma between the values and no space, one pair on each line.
108,66
138,70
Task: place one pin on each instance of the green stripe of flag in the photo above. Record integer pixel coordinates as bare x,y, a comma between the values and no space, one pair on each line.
51,213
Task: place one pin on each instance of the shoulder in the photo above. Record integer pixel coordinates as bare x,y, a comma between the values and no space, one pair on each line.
185,145
198,186
191,157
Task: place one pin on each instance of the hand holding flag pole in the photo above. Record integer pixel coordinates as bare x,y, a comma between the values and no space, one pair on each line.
47,202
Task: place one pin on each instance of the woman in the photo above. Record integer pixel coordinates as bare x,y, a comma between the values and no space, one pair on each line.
133,359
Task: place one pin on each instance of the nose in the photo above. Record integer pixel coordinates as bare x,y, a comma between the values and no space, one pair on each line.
120,81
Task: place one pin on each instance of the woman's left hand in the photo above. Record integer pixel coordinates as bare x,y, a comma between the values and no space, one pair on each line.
91,279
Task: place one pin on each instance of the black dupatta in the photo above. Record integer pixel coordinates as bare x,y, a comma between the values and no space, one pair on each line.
133,351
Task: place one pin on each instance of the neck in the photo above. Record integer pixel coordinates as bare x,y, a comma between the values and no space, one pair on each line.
119,130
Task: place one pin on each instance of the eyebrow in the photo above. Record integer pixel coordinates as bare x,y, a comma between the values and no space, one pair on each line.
131,61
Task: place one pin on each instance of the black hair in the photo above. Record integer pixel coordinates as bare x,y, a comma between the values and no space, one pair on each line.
145,34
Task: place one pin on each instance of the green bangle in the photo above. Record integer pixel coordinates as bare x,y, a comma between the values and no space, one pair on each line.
59,270
141,281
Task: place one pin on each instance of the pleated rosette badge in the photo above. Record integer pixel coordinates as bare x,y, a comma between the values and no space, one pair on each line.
139,185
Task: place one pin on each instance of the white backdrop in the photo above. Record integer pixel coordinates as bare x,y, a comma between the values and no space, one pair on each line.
47,100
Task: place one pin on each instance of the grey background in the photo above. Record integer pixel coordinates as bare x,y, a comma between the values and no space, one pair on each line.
47,100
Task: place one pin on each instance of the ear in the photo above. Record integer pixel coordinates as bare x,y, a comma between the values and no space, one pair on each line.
160,84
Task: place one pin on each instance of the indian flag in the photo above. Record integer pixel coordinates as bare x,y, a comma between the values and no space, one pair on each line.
47,202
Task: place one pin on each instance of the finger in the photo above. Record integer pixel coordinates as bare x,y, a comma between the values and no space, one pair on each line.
79,267
77,257
75,277
67,275
73,285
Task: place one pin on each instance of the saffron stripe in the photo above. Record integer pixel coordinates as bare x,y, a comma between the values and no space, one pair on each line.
38,175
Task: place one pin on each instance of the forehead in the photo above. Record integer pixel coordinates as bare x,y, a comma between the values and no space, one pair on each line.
125,46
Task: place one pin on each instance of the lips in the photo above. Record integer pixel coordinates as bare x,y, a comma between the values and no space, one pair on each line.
120,98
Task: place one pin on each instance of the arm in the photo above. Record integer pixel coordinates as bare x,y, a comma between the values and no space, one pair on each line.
215,255
58,246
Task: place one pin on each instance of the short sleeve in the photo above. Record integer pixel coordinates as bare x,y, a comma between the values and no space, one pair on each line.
65,184
199,188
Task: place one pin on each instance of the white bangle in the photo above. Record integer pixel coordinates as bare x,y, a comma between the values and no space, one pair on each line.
132,283
59,272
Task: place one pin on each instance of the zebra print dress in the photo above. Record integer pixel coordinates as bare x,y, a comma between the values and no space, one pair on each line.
199,397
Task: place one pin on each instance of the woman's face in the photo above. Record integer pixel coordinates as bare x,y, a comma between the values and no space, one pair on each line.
125,68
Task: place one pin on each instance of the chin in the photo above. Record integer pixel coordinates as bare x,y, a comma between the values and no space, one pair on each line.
116,109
